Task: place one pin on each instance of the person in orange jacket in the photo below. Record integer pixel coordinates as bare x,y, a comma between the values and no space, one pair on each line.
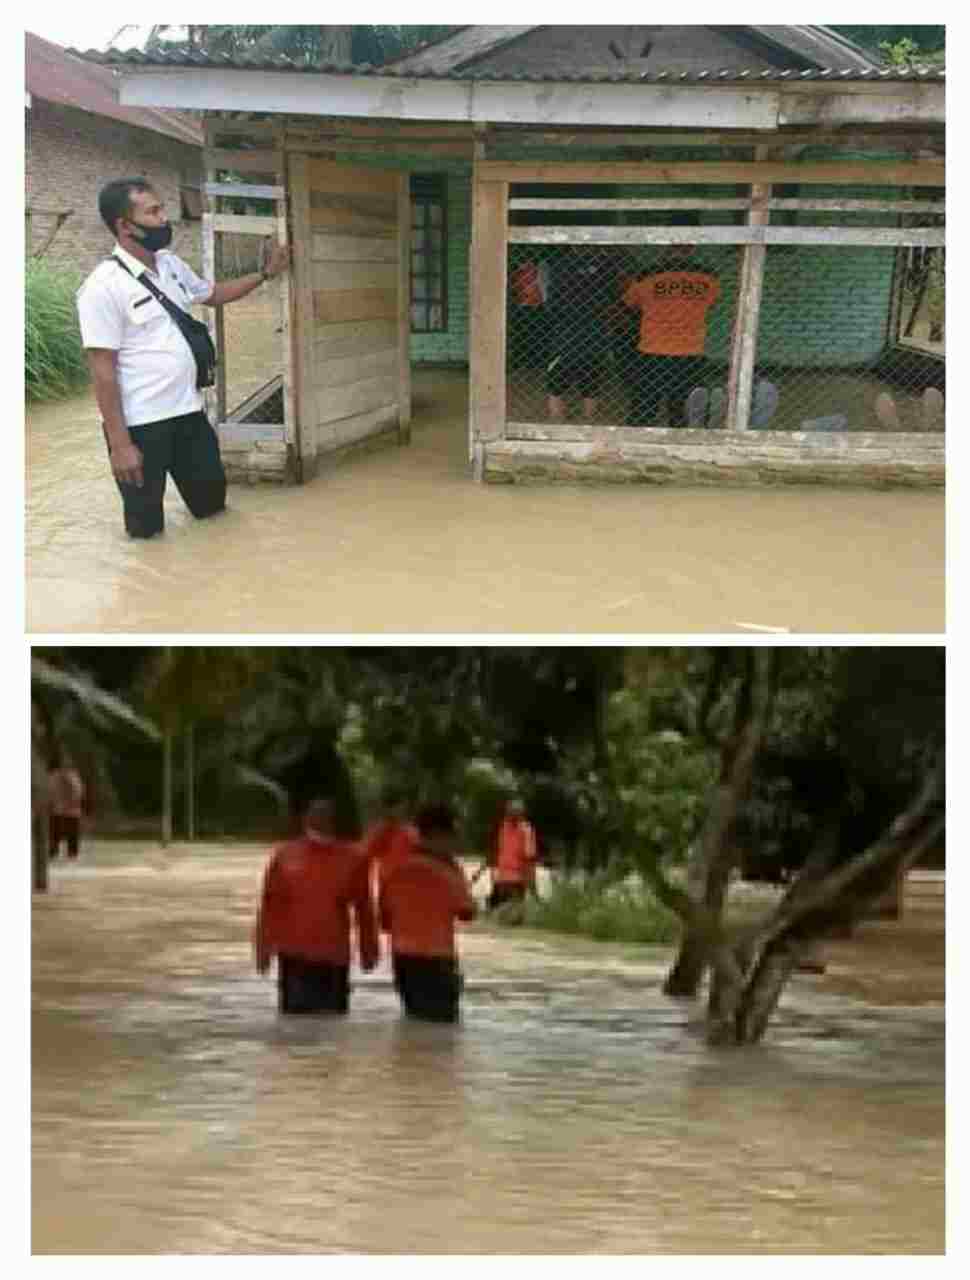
392,838
311,888
514,857
420,900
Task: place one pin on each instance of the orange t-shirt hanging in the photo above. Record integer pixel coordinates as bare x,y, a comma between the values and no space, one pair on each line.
528,285
673,305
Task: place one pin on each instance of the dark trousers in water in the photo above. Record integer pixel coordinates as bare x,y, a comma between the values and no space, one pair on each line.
187,448
306,987
429,987
63,827
659,378
507,891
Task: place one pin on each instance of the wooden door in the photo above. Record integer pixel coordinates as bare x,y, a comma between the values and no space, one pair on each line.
351,247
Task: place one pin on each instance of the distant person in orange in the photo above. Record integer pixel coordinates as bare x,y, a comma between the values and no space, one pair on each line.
419,903
392,837
66,808
673,299
312,887
514,858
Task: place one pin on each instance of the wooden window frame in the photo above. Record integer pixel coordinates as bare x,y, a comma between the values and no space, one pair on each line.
435,193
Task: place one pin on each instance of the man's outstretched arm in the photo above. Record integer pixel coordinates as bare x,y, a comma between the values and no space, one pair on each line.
233,290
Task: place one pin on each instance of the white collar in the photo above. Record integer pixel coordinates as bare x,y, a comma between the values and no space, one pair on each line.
129,260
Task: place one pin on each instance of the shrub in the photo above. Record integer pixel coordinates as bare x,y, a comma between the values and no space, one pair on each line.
54,360
608,912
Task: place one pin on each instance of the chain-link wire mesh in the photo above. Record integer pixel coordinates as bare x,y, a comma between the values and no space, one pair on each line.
849,338
833,345
610,334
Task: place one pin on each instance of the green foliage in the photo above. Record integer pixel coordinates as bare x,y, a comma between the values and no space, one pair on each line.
303,43
928,40
603,909
901,55
54,360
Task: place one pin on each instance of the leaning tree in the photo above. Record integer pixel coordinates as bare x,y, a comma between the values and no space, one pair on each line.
874,719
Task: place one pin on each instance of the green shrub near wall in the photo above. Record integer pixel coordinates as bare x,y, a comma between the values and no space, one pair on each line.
54,360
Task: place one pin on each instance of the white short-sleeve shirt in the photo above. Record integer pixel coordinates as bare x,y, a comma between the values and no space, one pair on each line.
156,368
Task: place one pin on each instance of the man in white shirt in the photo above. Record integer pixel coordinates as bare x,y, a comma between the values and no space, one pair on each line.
144,372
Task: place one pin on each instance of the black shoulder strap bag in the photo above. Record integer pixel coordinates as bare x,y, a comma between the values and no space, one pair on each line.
193,331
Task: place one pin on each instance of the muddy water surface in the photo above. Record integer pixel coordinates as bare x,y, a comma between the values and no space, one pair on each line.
403,541
576,1110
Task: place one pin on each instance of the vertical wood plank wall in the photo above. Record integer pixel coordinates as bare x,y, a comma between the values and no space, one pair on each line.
350,272
304,440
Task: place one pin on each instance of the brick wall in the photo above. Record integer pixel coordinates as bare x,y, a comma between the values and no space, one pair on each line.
71,154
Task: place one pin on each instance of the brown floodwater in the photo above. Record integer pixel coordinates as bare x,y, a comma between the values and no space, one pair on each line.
403,541
575,1110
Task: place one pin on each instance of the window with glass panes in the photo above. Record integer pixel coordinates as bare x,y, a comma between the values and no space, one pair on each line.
429,253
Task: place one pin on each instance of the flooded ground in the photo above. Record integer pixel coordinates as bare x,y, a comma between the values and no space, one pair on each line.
575,1110
404,541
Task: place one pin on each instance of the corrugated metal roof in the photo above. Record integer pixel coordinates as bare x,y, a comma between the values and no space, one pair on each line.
57,75
136,58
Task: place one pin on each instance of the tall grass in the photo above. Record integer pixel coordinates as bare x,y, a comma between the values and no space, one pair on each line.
597,909
54,360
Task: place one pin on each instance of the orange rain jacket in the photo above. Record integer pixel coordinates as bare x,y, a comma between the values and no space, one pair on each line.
515,855
388,843
420,902
310,888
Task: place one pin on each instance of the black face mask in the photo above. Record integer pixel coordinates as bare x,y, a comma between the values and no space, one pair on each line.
154,238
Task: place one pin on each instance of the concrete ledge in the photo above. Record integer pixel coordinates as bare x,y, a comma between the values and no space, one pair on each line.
270,460
722,458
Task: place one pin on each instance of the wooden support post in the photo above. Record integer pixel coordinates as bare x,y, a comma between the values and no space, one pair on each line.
304,438
212,269
190,783
167,787
404,308
487,391
40,847
744,346
286,297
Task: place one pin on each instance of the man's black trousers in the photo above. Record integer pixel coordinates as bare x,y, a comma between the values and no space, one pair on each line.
306,987
186,448
429,986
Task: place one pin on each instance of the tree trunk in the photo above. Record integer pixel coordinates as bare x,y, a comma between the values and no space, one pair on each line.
763,989
167,788
190,783
689,968
40,839
716,856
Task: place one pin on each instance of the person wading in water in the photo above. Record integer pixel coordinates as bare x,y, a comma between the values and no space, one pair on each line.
312,887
